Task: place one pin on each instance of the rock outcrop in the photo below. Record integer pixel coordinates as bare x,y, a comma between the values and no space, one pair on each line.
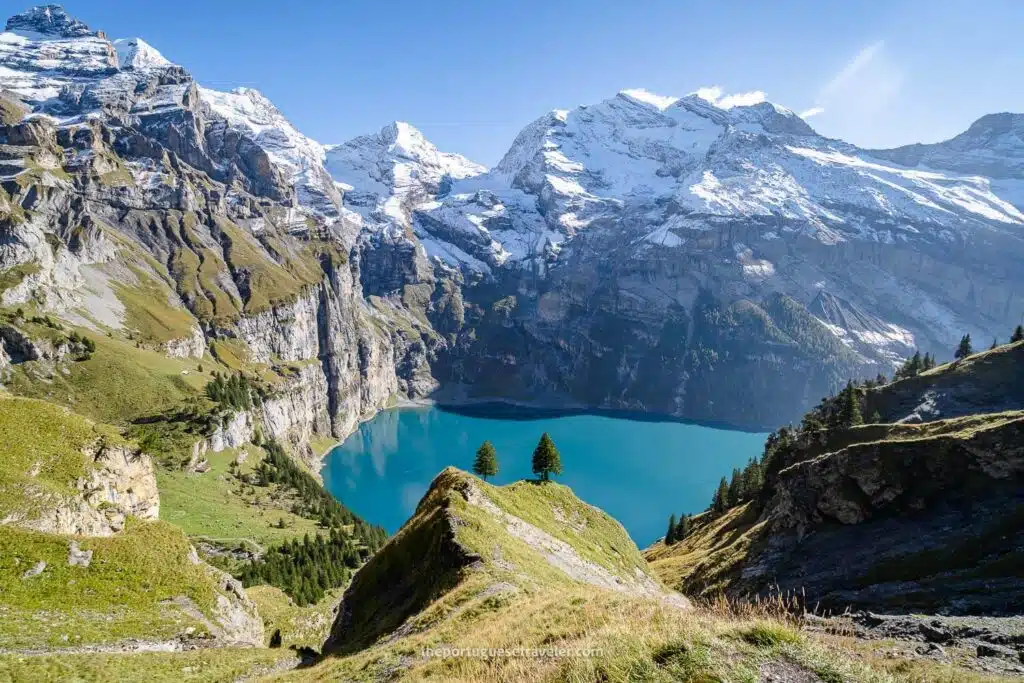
921,512
122,484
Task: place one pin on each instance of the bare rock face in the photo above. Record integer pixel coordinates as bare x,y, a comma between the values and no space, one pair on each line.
193,346
123,484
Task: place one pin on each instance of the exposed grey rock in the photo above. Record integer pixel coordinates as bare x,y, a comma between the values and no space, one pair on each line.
36,570
78,557
121,484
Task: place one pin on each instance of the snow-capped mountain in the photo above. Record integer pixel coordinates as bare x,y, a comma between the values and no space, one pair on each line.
61,68
679,254
300,158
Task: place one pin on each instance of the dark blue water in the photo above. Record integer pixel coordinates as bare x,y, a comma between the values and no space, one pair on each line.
639,471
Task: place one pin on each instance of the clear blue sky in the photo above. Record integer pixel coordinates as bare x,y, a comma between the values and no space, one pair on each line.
471,73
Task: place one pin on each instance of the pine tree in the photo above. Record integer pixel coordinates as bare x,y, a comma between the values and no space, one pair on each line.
683,528
546,459
929,362
850,415
964,349
735,490
670,535
995,343
720,501
486,463
1018,334
876,418
753,479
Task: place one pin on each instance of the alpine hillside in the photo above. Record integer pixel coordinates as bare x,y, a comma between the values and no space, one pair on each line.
645,252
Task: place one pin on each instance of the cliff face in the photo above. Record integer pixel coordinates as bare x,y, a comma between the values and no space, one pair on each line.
919,512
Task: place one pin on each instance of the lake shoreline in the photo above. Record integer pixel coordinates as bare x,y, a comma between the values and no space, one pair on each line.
538,410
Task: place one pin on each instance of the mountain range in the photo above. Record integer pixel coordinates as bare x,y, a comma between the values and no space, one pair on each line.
670,255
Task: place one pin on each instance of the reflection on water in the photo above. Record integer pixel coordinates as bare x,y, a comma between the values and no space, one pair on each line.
637,470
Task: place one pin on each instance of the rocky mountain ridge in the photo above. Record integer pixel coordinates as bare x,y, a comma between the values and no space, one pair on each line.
647,253
918,510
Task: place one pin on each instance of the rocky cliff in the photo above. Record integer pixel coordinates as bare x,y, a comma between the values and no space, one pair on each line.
671,255
920,511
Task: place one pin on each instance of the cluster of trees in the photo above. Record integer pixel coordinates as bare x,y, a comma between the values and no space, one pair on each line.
546,459
312,500
677,531
232,392
964,349
915,365
306,570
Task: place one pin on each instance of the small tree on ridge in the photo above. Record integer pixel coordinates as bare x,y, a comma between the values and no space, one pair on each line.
486,463
546,459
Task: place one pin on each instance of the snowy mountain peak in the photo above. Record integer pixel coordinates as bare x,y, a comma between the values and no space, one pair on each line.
660,102
49,20
135,53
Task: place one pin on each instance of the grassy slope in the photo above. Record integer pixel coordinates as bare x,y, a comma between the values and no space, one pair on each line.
118,384
119,595
712,556
196,666
299,626
514,599
216,505
43,452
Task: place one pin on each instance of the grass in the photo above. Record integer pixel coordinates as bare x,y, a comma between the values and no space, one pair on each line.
267,281
554,508
12,277
43,452
301,627
119,595
218,506
149,311
214,664
712,556
119,383
585,634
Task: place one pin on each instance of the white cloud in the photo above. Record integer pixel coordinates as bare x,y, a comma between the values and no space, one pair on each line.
716,96
849,73
861,89
648,97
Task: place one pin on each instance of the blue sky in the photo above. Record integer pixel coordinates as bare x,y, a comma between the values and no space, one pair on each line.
472,73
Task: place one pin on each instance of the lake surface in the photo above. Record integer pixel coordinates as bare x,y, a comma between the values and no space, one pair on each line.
637,470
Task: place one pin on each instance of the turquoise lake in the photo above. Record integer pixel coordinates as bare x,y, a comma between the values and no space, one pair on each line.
637,470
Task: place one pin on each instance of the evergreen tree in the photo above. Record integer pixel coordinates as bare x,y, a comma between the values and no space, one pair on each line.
546,459
486,463
683,528
929,362
1018,334
670,535
964,349
995,343
876,418
753,479
850,415
735,490
720,501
